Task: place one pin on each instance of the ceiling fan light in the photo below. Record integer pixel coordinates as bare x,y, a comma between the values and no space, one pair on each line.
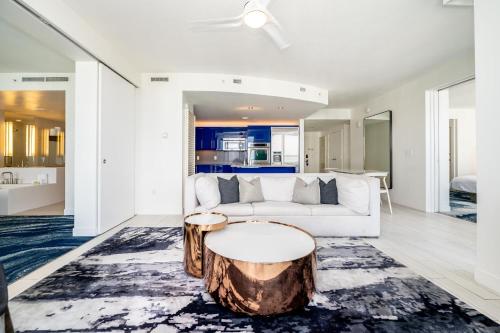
255,19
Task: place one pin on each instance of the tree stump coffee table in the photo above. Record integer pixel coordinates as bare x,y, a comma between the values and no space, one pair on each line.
260,268
195,227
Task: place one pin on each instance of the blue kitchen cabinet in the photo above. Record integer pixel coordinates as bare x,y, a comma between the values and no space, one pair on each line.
206,138
259,134
276,169
213,168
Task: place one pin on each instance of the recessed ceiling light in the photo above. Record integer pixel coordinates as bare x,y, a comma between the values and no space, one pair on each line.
18,120
244,118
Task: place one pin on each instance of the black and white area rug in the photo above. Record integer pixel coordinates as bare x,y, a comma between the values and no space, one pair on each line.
135,282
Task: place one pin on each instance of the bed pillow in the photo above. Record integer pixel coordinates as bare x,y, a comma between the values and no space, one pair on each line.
354,194
328,192
207,192
307,194
229,190
250,191
277,188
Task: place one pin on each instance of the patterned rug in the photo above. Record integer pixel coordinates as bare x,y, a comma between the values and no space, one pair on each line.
463,206
28,242
135,282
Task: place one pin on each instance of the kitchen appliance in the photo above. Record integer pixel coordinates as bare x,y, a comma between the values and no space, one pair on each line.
285,145
259,153
233,144
277,158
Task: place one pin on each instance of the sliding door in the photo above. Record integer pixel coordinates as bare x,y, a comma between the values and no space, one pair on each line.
116,149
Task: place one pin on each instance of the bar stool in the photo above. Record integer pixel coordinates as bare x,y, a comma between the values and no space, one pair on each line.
382,175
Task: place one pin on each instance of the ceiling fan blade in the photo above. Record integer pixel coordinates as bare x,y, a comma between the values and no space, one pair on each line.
264,3
276,33
230,22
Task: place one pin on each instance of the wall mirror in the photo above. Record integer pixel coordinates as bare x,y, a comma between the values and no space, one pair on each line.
378,143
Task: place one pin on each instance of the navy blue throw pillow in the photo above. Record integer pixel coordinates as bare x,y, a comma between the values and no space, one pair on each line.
229,190
328,192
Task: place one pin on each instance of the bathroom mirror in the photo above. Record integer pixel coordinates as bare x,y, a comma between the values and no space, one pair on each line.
378,143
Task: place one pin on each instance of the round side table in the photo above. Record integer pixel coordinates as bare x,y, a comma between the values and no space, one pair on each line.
195,227
260,268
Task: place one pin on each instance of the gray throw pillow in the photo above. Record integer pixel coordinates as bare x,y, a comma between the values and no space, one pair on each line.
328,192
307,194
250,191
229,190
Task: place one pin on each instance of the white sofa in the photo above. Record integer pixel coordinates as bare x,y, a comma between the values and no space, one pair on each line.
319,220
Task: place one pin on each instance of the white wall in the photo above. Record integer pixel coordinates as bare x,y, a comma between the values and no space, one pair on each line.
487,26
466,140
407,102
159,168
12,81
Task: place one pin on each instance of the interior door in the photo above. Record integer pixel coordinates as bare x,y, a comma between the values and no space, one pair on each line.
334,155
117,150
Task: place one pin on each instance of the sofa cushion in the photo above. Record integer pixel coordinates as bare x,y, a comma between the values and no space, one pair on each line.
305,193
250,191
229,190
280,208
331,210
207,192
354,193
232,209
277,188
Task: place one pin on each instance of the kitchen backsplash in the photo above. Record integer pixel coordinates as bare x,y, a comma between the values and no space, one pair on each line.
220,157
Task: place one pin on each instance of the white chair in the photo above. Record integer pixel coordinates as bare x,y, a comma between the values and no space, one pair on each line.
382,175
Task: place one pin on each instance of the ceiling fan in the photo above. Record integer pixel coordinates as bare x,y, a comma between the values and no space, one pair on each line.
255,15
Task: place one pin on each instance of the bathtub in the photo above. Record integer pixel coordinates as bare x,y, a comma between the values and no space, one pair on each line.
15,198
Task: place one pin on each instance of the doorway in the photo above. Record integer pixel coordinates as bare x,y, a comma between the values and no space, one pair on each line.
456,190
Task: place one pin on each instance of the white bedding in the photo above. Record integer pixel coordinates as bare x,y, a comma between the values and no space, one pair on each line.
464,183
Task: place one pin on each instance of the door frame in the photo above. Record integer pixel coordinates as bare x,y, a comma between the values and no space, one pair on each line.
435,145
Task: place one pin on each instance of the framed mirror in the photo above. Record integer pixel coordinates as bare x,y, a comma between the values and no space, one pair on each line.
378,143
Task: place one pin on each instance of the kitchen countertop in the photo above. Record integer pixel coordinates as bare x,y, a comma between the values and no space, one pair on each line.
250,166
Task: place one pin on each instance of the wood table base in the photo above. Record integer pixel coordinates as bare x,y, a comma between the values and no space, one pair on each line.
260,289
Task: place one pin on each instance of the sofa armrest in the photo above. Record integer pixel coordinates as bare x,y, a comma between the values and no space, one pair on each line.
374,187
190,200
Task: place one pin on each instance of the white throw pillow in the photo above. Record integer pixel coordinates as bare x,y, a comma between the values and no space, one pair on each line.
354,194
207,192
277,188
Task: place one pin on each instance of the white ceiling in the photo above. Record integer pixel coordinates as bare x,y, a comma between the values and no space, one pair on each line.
353,48
26,105
322,125
24,54
222,106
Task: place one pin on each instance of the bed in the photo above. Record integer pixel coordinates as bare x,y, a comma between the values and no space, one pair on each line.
464,183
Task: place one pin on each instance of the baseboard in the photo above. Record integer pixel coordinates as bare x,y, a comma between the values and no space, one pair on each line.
84,232
487,279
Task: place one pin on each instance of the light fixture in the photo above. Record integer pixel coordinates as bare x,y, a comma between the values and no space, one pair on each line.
18,120
244,118
60,144
255,19
9,145
45,142
30,140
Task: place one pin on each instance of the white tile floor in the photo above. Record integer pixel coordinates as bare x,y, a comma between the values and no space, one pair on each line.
438,247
